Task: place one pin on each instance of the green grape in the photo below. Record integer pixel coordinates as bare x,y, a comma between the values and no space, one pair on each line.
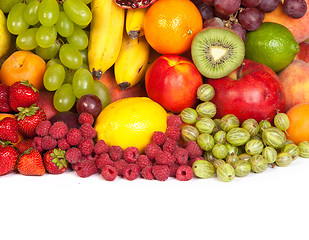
64,98
29,1
78,12
52,62
82,83
54,77
84,54
64,25
48,12
48,53
69,76
46,36
6,5
15,21
26,40
86,1
78,39
31,13
102,92
70,56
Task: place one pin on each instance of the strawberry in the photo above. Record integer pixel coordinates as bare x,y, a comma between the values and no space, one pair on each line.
22,94
4,99
9,130
30,163
8,159
24,144
29,118
55,161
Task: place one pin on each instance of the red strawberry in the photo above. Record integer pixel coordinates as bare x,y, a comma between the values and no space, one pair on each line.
24,144
54,161
9,130
29,118
8,159
31,163
22,94
4,99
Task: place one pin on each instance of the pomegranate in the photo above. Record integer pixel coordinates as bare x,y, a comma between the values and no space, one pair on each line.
134,3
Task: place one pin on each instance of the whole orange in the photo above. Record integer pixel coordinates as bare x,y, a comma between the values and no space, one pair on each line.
299,123
170,25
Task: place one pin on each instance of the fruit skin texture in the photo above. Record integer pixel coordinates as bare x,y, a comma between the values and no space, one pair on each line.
30,163
295,81
5,36
21,66
46,103
303,53
3,115
9,130
172,81
299,123
4,99
130,122
8,159
255,93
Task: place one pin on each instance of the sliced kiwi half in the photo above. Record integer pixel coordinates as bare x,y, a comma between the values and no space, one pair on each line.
216,52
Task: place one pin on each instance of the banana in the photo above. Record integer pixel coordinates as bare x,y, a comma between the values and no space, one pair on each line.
131,64
106,33
135,22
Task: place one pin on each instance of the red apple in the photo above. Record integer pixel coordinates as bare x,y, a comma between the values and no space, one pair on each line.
253,90
172,81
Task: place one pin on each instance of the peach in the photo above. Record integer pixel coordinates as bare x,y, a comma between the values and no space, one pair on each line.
46,103
295,81
303,53
298,27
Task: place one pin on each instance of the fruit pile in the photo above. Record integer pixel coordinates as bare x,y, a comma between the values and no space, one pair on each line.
144,89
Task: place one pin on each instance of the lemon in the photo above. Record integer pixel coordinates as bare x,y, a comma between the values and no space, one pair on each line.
130,122
5,36
271,44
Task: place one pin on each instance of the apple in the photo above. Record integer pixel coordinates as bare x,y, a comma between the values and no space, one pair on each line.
303,53
172,81
253,90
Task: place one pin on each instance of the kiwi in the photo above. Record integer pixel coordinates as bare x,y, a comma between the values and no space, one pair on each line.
216,51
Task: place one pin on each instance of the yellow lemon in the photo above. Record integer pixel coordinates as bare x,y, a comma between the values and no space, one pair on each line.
130,122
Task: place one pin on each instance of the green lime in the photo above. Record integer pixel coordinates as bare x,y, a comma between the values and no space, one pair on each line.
271,44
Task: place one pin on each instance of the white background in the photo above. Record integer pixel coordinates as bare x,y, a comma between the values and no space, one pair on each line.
269,205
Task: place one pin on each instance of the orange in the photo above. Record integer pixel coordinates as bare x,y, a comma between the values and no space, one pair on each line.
299,123
170,25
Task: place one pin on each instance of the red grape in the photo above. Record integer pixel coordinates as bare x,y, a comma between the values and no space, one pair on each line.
208,2
227,7
250,3
89,103
206,11
250,18
69,118
267,6
295,8
213,22
239,30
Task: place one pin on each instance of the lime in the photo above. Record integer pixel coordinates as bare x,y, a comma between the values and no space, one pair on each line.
271,44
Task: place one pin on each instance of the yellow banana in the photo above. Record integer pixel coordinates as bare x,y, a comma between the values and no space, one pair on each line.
105,35
135,22
131,64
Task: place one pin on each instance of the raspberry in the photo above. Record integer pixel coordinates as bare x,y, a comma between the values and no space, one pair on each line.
131,154
42,128
161,172
86,146
85,117
115,153
109,173
74,136
170,145
131,171
151,150
147,173
87,131
86,167
73,155
174,120
37,144
173,169
102,160
164,158
173,132
143,161
58,130
192,160
63,144
158,138
120,165
100,147
48,142
181,156
184,173
193,149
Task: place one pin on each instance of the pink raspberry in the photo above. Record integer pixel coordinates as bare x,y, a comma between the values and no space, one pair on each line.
184,173
131,171
181,156
86,146
115,153
147,173
161,172
58,130
151,150
86,167
85,117
193,149
42,128
100,147
143,161
174,120
74,136
120,165
173,132
109,173
37,144
87,131
192,160
73,155
102,160
63,144
173,169
48,142
131,154
170,145
159,138
164,158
